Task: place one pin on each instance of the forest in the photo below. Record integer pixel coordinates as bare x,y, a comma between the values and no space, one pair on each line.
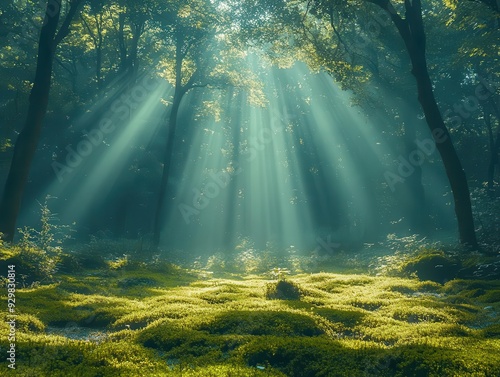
250,188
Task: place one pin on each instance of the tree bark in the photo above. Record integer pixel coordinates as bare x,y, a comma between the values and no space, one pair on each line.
167,162
179,92
411,29
27,141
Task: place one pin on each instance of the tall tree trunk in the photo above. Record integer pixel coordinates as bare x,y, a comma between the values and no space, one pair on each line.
129,62
137,30
98,68
27,141
167,162
122,46
411,29
452,164
179,92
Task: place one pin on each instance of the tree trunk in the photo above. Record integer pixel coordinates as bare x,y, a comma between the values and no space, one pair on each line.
27,141
411,29
452,164
98,68
167,161
121,43
137,30
179,92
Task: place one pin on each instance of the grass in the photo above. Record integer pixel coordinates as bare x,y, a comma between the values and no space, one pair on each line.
129,319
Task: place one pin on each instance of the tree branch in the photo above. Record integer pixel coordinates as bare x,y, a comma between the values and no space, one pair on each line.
64,30
400,23
91,33
58,61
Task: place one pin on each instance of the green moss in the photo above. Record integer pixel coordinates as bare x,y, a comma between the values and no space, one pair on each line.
303,357
491,296
343,325
74,285
433,265
348,318
33,265
69,264
195,347
492,331
283,290
246,322
53,356
460,285
224,370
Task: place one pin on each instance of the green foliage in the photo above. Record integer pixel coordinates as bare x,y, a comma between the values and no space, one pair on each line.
50,235
38,255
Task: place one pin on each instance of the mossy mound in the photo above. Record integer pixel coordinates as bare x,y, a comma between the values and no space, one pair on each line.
136,281
348,318
283,290
433,265
32,265
279,323
302,357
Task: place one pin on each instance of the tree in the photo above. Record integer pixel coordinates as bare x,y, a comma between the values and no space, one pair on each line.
411,29
199,55
94,22
50,36
137,15
319,29
479,56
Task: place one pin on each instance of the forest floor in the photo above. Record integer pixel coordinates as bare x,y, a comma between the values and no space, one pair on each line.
138,319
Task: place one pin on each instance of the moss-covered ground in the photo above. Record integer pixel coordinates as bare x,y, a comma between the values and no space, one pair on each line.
143,320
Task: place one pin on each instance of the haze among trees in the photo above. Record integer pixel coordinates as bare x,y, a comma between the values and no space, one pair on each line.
401,64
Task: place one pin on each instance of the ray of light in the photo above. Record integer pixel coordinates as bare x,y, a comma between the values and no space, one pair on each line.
100,166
